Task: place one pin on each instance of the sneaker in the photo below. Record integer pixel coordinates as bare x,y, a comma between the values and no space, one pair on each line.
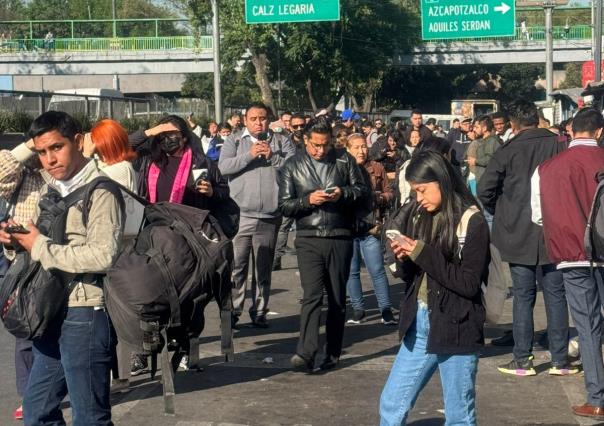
563,370
329,362
119,386
138,365
516,368
184,363
506,340
18,413
357,317
300,364
388,317
260,321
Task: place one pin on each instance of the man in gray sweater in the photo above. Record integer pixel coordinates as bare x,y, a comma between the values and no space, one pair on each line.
251,161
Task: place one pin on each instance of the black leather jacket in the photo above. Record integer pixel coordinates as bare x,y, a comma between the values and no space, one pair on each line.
298,179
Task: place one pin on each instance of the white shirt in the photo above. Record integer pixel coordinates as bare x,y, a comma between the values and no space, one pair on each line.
122,173
66,187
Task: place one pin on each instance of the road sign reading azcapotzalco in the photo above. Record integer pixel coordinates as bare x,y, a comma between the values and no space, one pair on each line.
276,11
450,19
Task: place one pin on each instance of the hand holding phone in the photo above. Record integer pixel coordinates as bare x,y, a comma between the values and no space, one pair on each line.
330,190
16,229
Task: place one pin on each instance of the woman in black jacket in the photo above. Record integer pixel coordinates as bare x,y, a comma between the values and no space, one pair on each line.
441,320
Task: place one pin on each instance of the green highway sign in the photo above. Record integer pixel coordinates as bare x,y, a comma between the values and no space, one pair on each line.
281,11
451,19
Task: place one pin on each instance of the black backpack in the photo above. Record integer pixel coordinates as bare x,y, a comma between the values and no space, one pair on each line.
32,299
594,232
164,279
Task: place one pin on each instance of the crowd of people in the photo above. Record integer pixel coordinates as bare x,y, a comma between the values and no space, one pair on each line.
425,205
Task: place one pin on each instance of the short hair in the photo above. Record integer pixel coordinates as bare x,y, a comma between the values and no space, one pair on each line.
236,114
430,121
257,105
524,113
366,123
320,125
487,122
299,116
588,120
354,137
225,125
416,111
456,120
60,121
285,113
111,142
499,114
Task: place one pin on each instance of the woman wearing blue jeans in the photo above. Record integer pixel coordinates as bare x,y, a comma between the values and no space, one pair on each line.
366,245
442,316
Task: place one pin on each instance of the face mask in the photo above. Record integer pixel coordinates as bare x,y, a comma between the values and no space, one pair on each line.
169,145
298,134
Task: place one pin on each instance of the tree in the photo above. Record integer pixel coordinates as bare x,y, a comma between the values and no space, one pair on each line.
574,75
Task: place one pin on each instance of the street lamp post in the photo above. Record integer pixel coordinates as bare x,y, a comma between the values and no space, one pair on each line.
598,41
548,7
216,45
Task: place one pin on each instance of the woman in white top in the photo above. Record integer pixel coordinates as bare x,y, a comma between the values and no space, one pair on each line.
109,141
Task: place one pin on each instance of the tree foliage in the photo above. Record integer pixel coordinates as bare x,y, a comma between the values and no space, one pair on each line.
574,76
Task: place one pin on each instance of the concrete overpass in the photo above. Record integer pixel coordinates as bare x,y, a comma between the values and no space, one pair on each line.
494,52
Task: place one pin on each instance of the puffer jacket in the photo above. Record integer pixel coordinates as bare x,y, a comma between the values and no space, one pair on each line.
298,179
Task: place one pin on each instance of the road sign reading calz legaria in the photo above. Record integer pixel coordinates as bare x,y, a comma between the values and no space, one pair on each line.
453,19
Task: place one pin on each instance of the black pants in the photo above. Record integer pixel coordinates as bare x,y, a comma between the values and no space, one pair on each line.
323,263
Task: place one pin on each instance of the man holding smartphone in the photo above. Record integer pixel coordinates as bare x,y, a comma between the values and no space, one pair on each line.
251,161
320,187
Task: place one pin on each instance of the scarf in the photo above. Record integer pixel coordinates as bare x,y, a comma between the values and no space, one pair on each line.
180,181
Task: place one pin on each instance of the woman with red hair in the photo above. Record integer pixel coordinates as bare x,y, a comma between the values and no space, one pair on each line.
109,141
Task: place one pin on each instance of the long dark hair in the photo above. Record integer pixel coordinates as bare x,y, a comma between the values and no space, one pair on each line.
430,166
156,154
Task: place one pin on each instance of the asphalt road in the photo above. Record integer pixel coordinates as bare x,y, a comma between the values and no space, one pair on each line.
255,391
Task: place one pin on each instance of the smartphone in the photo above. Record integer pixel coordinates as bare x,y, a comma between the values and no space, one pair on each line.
16,229
330,190
200,175
394,235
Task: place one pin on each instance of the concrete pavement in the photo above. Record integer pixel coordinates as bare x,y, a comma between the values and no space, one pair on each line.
255,391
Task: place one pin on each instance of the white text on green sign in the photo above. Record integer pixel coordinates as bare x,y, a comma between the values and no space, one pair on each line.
276,11
450,19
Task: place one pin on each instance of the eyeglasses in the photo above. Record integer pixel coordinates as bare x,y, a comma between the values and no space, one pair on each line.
323,148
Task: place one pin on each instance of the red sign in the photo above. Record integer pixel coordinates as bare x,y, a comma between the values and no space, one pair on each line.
589,72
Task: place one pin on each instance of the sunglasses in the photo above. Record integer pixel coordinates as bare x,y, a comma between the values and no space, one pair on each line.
298,126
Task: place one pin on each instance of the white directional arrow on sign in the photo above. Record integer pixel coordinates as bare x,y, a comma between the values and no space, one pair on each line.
503,8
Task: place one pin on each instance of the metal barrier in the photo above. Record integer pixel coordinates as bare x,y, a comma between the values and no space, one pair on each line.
203,43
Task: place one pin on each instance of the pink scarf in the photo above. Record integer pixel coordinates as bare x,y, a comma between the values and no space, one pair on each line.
180,181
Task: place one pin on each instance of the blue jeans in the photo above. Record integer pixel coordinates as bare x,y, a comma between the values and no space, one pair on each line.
370,248
525,292
78,363
412,370
584,302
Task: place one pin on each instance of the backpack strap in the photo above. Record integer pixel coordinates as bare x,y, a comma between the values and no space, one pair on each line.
462,228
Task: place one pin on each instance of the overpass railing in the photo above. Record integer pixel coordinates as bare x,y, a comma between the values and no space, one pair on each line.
203,43
534,33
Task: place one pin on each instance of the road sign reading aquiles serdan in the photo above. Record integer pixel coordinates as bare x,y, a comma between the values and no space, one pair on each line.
280,11
453,19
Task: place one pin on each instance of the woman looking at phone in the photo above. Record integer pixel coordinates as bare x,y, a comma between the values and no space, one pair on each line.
441,319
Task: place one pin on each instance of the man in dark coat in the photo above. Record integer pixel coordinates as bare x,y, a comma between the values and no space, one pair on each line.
505,191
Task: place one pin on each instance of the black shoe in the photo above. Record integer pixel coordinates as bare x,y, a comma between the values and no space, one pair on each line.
329,362
260,321
357,317
138,365
388,317
234,321
300,364
506,340
277,264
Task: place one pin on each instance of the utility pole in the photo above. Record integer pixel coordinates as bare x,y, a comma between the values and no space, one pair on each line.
216,44
113,17
598,41
548,7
